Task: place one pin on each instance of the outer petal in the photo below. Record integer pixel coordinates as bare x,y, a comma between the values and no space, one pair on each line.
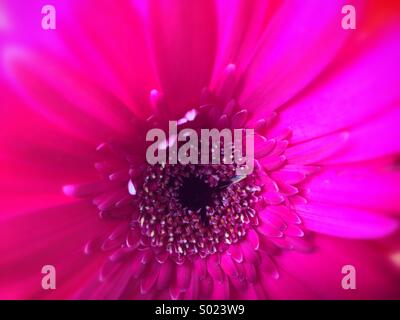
345,222
369,186
55,237
375,138
320,275
293,51
350,94
240,26
183,42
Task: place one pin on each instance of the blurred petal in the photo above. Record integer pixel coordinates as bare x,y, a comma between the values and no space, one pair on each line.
345,222
183,35
293,51
367,85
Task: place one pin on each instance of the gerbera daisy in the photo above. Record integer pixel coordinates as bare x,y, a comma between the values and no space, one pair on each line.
78,193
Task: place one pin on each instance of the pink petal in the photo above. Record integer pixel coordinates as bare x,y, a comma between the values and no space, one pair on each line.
315,151
373,139
214,268
183,276
337,103
165,278
150,277
239,27
292,52
370,186
183,40
46,237
320,275
345,222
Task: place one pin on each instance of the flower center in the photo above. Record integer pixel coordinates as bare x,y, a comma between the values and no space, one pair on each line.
191,210
195,195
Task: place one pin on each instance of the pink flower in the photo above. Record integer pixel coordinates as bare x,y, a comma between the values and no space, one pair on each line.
324,103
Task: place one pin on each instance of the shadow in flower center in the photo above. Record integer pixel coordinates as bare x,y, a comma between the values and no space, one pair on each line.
195,195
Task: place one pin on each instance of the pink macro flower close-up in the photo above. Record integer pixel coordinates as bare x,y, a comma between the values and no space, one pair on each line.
76,190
